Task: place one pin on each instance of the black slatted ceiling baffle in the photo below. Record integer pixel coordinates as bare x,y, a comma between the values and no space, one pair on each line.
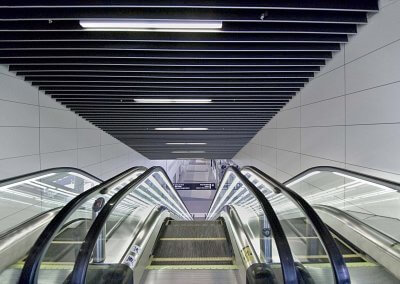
265,52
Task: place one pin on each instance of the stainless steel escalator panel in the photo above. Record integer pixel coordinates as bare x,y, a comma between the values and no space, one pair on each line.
383,249
16,243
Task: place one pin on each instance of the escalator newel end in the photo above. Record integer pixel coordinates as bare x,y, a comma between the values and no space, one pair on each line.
259,273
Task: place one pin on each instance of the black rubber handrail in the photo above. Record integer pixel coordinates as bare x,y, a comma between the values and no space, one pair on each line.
339,267
287,262
31,267
380,181
50,170
79,272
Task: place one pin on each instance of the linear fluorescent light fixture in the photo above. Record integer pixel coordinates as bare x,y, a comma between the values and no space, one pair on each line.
173,101
150,24
180,128
186,143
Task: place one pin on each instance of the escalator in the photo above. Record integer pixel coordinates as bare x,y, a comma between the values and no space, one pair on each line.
256,231
29,202
349,204
35,200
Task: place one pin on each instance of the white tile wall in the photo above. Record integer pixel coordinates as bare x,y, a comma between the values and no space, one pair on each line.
288,118
348,115
288,162
374,146
67,158
19,141
89,156
17,114
19,165
57,139
378,68
289,139
38,133
88,137
317,89
377,105
324,142
324,113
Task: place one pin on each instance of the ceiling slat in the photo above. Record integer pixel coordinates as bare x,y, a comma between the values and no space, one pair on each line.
170,37
167,46
228,27
44,70
170,13
365,5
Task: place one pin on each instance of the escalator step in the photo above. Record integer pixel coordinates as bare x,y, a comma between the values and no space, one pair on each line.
199,229
192,261
190,249
193,267
193,245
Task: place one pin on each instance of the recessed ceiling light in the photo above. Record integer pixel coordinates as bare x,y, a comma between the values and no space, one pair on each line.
150,24
180,128
186,143
173,101
188,152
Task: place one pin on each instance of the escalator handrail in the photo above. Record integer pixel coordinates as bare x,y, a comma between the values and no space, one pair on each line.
337,261
370,178
79,271
31,267
50,170
287,261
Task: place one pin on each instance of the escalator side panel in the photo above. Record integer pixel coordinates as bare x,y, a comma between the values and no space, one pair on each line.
16,244
381,250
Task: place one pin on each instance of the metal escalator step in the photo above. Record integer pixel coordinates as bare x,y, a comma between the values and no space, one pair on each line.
194,267
178,263
199,229
194,223
190,249
48,265
193,239
324,258
190,259
349,265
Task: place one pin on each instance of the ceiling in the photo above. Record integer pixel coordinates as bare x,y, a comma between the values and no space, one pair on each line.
265,52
